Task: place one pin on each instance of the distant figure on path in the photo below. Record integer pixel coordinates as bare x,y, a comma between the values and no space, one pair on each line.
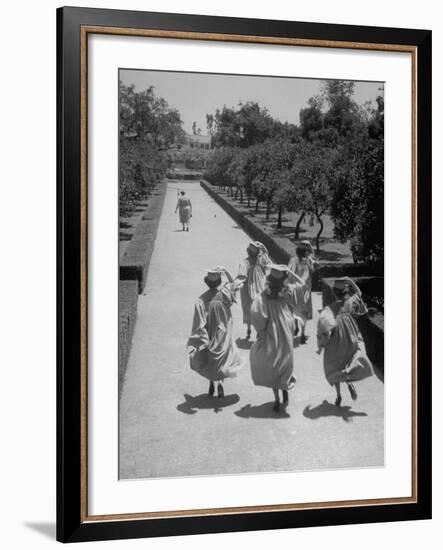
272,314
184,208
303,264
344,357
252,272
214,354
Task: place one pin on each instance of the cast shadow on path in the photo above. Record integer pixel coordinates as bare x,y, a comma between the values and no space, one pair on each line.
243,343
192,404
260,411
328,409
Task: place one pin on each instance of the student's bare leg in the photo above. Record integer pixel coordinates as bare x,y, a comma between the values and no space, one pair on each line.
352,390
276,407
285,398
338,399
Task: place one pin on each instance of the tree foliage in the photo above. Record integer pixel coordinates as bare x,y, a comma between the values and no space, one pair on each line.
332,164
148,128
245,126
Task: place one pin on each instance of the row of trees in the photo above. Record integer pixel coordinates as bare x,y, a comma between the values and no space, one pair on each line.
331,164
148,128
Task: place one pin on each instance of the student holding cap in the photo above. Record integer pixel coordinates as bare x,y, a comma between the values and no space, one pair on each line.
213,352
344,357
252,272
303,264
272,355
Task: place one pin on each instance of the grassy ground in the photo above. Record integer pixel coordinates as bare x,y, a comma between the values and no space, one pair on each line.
330,249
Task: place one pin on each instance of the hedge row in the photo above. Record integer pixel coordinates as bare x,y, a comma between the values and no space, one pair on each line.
191,176
135,263
282,249
279,248
133,272
127,313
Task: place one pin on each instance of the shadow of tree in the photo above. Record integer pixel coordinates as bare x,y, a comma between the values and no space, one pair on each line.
328,409
192,404
260,411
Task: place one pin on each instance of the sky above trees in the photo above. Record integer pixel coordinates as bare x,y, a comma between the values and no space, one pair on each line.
195,94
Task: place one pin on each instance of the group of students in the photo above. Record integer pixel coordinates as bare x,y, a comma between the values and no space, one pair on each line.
276,300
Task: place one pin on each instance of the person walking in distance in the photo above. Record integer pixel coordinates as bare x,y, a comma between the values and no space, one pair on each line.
252,273
184,208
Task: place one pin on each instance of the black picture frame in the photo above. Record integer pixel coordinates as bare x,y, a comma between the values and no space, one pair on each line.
72,526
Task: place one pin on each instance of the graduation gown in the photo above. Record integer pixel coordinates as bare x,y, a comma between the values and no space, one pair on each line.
254,277
272,355
216,355
344,358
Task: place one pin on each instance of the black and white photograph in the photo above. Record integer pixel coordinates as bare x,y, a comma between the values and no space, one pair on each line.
251,277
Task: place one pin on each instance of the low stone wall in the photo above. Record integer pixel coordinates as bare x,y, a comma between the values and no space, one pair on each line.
127,312
134,265
281,248
371,326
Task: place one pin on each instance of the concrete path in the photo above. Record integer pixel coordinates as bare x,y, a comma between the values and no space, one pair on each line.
169,427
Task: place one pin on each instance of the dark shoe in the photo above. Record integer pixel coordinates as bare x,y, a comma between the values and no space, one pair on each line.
276,407
220,391
303,339
338,401
211,389
352,391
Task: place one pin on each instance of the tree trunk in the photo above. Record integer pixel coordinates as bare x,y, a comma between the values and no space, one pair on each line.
320,231
241,195
297,226
249,200
279,218
268,210
257,202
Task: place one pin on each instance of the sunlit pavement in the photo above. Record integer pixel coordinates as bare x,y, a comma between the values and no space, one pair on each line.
168,424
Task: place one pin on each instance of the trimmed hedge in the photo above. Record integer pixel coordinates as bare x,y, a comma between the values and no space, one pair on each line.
127,313
135,263
191,176
282,249
371,326
279,248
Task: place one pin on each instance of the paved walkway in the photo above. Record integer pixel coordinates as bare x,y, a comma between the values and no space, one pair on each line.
169,427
